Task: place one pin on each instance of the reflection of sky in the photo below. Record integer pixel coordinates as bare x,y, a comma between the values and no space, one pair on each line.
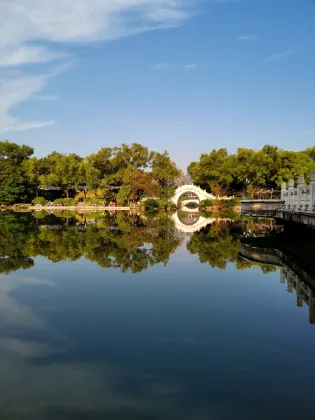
185,341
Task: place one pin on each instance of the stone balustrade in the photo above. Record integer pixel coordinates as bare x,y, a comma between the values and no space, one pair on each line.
300,198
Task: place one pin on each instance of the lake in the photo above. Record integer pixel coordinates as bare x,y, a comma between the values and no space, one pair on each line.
116,316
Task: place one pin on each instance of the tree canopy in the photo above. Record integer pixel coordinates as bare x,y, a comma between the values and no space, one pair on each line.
134,170
130,172
249,168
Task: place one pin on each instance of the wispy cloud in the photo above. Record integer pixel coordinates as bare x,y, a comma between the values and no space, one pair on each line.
161,66
246,37
225,1
30,28
281,55
85,21
25,54
50,98
168,66
16,91
192,66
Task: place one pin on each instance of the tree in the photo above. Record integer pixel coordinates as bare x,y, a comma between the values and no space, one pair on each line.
93,178
165,172
213,170
141,183
249,169
101,161
124,194
13,178
64,171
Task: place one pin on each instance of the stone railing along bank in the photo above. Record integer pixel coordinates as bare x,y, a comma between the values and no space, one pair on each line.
300,198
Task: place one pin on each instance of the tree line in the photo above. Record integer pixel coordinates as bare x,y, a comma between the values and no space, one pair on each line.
125,172
130,172
248,170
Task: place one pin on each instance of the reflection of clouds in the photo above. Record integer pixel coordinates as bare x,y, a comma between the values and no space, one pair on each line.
36,385
12,313
42,389
65,390
27,348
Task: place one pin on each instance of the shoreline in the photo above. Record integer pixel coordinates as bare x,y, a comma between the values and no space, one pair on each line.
78,209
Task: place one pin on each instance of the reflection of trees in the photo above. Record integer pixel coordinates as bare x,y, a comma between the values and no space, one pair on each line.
118,241
14,231
218,244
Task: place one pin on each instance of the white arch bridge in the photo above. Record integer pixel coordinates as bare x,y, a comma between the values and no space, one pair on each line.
197,191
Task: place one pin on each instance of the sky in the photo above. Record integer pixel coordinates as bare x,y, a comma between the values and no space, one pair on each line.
186,76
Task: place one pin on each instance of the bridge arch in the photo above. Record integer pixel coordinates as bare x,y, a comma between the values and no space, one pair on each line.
201,194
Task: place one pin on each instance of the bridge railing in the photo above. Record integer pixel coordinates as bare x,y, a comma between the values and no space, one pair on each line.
300,198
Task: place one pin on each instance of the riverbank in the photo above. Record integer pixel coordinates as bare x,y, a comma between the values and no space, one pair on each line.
78,208
217,209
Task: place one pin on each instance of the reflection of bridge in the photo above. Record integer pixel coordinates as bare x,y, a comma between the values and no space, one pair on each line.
191,209
296,278
190,222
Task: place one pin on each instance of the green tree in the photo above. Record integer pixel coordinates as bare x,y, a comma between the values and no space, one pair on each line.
141,183
213,170
64,171
13,177
165,172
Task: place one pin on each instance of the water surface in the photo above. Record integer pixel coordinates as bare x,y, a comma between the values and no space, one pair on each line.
127,317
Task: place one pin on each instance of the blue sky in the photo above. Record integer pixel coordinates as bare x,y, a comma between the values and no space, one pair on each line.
183,75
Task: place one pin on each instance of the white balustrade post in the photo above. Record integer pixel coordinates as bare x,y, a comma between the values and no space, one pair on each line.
301,192
291,193
284,194
312,191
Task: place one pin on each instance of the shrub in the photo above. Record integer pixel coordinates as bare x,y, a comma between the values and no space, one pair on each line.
97,201
206,203
66,201
151,206
39,200
165,204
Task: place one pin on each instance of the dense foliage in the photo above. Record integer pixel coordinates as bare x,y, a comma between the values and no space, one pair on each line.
133,171
248,169
122,241
129,173
219,244
119,241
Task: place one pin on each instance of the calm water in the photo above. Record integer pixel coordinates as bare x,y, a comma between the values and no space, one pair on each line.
119,317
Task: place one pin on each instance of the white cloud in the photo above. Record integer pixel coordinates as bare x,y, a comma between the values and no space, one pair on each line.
50,98
28,55
30,27
246,37
15,91
191,66
281,55
161,66
81,21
